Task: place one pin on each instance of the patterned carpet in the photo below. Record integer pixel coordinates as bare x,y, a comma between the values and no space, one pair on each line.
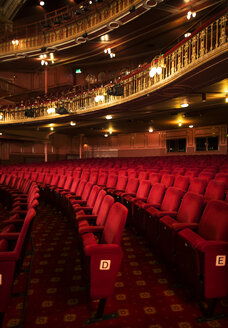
147,295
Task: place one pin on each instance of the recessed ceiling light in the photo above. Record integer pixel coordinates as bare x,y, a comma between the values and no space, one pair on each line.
108,117
190,126
106,135
184,105
179,124
72,123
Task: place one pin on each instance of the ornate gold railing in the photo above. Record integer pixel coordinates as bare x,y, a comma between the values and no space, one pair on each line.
63,26
204,44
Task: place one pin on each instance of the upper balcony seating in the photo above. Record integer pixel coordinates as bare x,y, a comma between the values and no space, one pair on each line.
201,255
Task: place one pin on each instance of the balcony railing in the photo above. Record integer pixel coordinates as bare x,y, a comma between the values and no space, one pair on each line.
68,23
204,44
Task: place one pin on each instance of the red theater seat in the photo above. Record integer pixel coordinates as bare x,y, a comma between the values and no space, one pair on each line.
169,206
189,212
201,255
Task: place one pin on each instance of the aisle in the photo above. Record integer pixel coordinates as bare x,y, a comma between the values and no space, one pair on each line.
146,294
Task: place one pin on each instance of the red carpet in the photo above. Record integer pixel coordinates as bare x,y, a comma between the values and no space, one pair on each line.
147,295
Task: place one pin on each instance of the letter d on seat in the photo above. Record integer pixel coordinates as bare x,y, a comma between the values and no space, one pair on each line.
105,264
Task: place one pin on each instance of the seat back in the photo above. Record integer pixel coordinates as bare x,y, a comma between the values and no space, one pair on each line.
181,182
156,193
190,208
171,199
93,177
98,201
61,181
112,180
154,177
121,182
143,189
167,180
214,221
93,196
132,186
80,188
74,185
215,190
40,178
68,182
114,224
143,175
197,185
104,210
86,190
102,179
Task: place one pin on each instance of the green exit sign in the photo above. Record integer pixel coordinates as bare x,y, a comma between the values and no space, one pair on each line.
78,71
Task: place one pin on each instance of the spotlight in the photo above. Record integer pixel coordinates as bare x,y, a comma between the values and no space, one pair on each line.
42,3
108,117
72,123
190,126
106,135
226,99
151,130
184,105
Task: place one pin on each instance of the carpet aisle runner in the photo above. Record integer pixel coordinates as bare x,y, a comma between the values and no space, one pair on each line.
146,293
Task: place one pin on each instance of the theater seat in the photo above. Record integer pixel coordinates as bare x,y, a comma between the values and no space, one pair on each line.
189,212
169,206
102,260
215,190
201,255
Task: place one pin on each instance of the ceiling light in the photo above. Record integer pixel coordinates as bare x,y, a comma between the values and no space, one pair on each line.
51,124
187,34
226,99
51,128
51,111
110,131
104,37
151,130
15,42
190,126
108,117
0,133
72,123
51,55
179,124
158,70
106,135
153,71
99,98
1,116
184,105
42,3
112,55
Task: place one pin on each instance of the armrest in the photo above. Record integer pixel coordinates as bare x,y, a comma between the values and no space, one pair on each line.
179,226
79,201
147,205
10,235
86,217
128,194
143,199
101,249
91,229
16,221
163,213
85,209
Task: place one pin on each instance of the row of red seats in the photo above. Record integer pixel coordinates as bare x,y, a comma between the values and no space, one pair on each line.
21,196
93,212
